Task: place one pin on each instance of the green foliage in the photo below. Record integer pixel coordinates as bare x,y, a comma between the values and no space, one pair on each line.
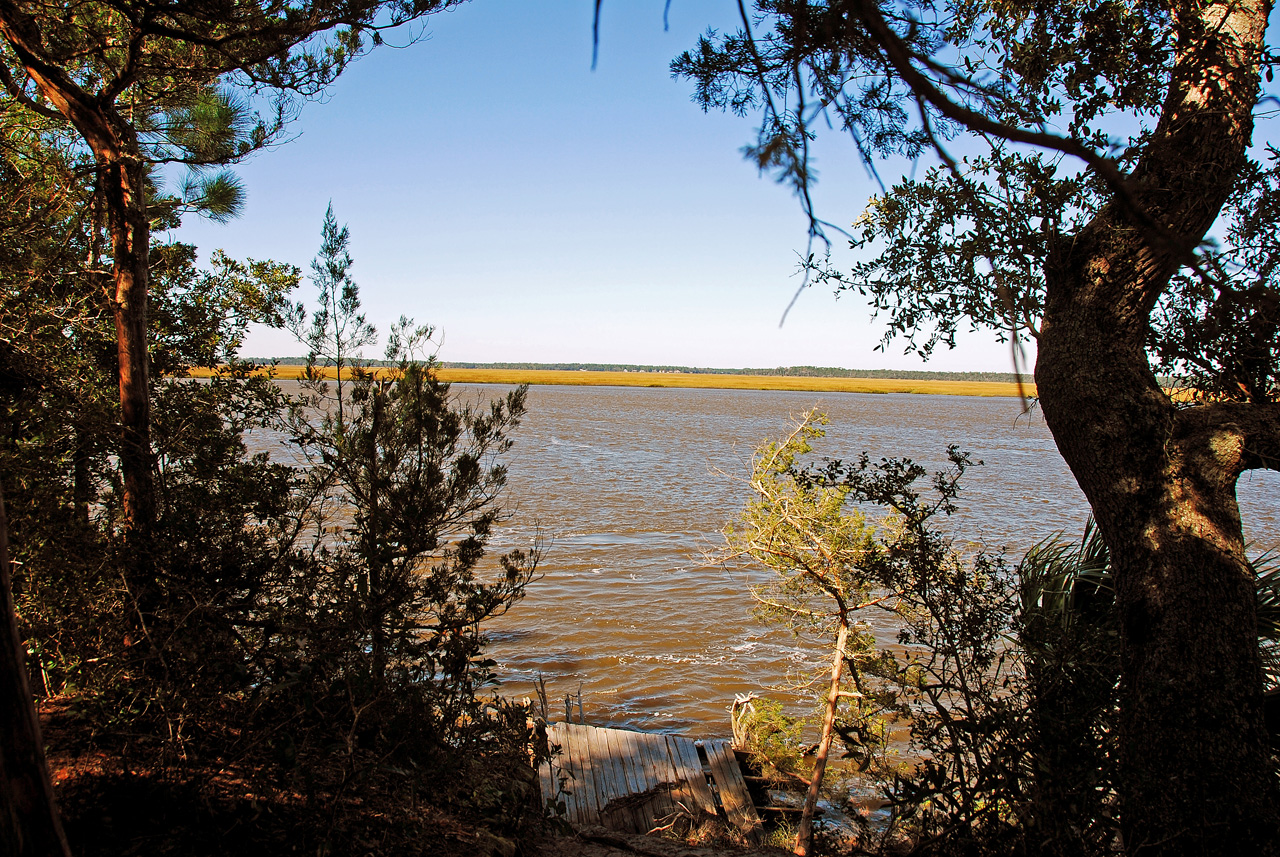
783,836
217,538
1021,675
1005,677
200,317
1068,584
740,70
820,556
188,75
1105,143
372,636
967,694
965,245
128,92
217,625
1068,632
955,675
315,620
762,728
338,330
1218,336
799,532
974,239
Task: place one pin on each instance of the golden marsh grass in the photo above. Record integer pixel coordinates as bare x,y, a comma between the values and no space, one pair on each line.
709,381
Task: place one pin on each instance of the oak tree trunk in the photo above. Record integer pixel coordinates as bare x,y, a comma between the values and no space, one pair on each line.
1195,770
1194,766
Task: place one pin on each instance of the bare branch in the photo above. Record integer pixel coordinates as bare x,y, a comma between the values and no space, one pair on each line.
20,96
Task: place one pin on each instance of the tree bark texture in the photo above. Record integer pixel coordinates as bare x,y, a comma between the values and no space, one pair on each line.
804,833
1195,772
29,821
122,176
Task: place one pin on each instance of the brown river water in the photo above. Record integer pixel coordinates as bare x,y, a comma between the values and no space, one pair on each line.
631,487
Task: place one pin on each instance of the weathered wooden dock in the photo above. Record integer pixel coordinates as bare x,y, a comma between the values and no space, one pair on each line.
639,781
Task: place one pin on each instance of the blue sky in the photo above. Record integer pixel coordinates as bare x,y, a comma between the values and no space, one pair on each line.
533,209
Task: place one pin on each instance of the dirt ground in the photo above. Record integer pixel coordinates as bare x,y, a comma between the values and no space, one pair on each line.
112,805
602,842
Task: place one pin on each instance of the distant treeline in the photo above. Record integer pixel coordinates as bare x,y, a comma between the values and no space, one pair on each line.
785,371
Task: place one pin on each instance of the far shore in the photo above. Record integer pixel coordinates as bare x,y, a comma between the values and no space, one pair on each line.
709,381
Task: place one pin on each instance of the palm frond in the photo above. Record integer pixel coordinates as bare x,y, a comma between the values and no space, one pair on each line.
1066,579
1071,582
1267,568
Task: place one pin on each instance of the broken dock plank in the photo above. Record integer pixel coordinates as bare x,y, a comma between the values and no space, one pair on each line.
704,802
640,760
682,796
637,781
733,789
613,812
666,776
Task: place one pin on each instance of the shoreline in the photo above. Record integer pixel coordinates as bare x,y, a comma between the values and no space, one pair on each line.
706,381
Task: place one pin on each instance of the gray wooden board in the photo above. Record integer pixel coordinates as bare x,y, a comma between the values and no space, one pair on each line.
629,818
664,804
584,810
573,787
663,772
641,780
590,773
734,796
644,763
614,780
690,802
655,750
639,815
703,799
594,759
679,794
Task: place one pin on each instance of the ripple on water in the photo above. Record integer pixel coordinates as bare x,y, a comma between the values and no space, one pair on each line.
632,487
635,486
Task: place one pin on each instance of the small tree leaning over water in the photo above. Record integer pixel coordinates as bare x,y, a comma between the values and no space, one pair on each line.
979,672
818,554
